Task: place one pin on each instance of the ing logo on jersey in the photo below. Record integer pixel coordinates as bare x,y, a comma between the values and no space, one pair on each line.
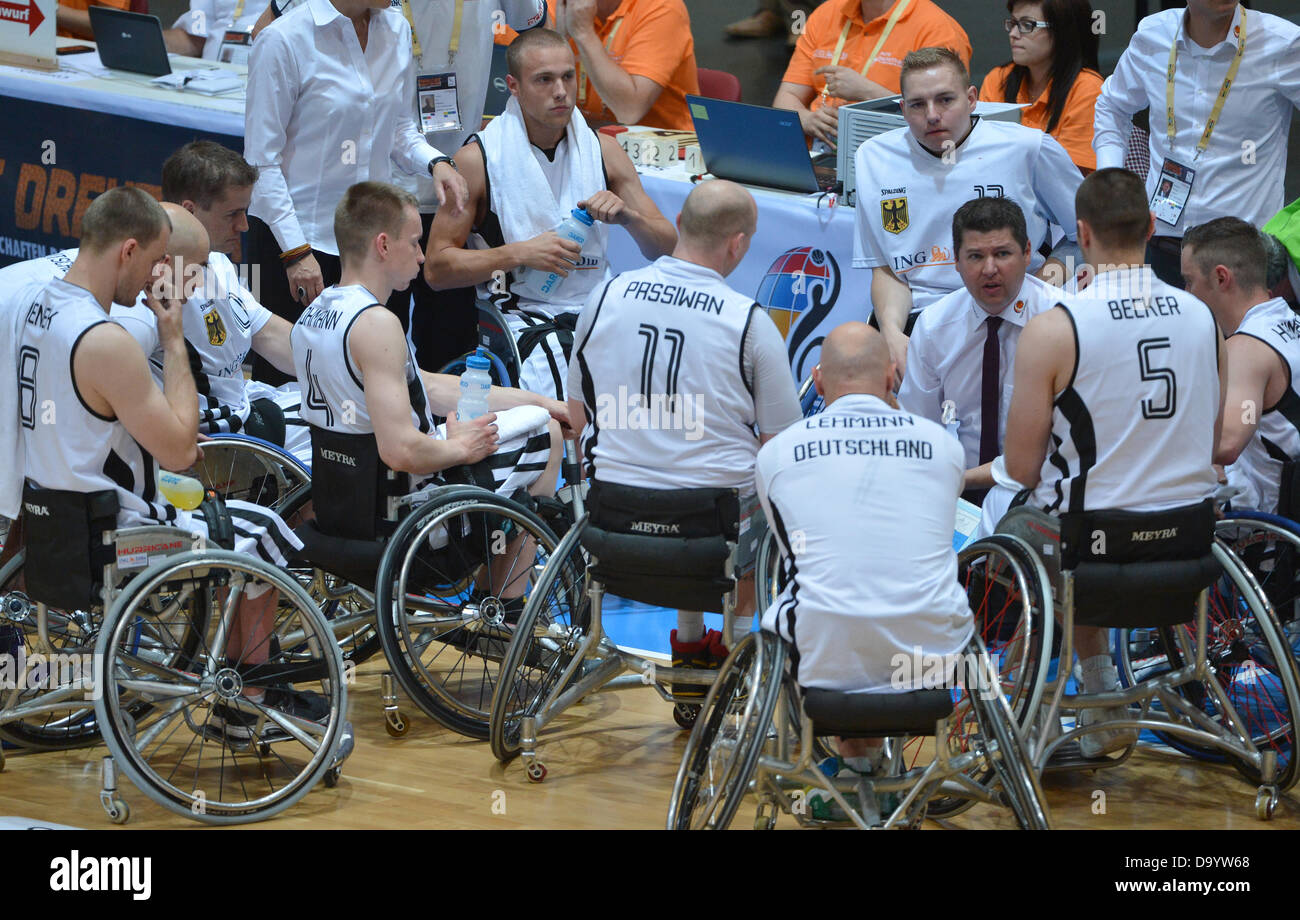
215,327
893,214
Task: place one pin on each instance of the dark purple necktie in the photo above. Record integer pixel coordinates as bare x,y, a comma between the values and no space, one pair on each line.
990,389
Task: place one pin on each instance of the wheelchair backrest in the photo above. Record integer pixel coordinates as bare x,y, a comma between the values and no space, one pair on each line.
494,335
354,493
671,548
66,554
1139,568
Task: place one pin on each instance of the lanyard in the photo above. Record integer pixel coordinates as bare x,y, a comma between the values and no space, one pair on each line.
1223,90
899,8
452,47
583,81
239,11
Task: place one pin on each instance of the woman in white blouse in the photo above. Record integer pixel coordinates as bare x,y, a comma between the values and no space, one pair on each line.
329,90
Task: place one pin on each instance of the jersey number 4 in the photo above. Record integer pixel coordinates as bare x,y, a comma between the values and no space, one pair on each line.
1153,372
315,399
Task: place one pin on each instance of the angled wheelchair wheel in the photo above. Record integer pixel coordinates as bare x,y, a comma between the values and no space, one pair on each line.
549,636
1010,597
729,735
1251,654
1010,759
810,401
227,729
242,467
452,586
66,720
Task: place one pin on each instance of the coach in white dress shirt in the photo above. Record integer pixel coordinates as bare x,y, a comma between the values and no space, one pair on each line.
330,86
961,356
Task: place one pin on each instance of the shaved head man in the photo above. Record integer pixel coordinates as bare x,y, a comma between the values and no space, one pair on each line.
681,413
867,597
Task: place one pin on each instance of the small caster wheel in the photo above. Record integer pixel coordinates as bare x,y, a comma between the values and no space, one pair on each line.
1266,802
396,725
536,771
118,811
332,776
685,714
263,750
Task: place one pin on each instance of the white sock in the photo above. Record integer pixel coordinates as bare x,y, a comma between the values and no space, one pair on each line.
690,625
741,627
859,765
1099,675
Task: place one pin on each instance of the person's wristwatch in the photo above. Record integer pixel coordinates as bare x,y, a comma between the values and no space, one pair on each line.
448,160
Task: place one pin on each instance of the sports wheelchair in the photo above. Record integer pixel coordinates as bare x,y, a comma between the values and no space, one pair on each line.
1269,546
143,621
758,730
669,548
1227,683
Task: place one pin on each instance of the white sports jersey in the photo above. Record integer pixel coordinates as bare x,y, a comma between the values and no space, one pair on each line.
862,499
657,362
45,268
1277,439
1134,429
334,394
907,196
220,321
83,451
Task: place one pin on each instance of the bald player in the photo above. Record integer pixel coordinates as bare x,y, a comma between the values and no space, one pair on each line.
859,599
673,371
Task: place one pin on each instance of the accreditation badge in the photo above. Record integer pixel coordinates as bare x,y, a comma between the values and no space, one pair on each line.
236,46
436,95
1173,188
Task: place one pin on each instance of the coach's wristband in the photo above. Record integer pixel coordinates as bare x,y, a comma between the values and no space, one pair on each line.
297,254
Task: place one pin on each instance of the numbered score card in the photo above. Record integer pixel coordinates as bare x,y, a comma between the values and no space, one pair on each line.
655,148
27,33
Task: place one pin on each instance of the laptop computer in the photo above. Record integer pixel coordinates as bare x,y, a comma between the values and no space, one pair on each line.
129,41
755,145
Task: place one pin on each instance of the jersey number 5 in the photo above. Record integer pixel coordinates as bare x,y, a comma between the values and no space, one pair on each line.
1152,372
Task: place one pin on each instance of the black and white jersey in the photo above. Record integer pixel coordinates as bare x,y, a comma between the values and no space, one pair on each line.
45,268
1277,439
220,320
659,362
334,395
863,501
1134,428
67,445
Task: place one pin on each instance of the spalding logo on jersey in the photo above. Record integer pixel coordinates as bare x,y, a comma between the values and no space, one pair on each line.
798,292
216,328
893,214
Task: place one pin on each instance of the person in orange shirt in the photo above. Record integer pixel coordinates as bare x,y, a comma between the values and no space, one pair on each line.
1053,70
853,50
637,59
73,20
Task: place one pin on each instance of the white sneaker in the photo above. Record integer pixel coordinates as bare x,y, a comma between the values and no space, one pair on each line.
1099,743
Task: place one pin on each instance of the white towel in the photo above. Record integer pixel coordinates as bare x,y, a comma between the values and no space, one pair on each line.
527,205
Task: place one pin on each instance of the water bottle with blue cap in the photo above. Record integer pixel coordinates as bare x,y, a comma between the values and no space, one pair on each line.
475,384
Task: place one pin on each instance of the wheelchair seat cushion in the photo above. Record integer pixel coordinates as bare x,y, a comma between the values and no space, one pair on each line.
355,561
1139,568
663,547
874,715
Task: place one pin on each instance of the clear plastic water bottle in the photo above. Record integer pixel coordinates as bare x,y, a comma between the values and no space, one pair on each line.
185,492
575,227
475,384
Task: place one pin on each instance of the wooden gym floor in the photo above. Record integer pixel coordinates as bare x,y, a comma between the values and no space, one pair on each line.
612,768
